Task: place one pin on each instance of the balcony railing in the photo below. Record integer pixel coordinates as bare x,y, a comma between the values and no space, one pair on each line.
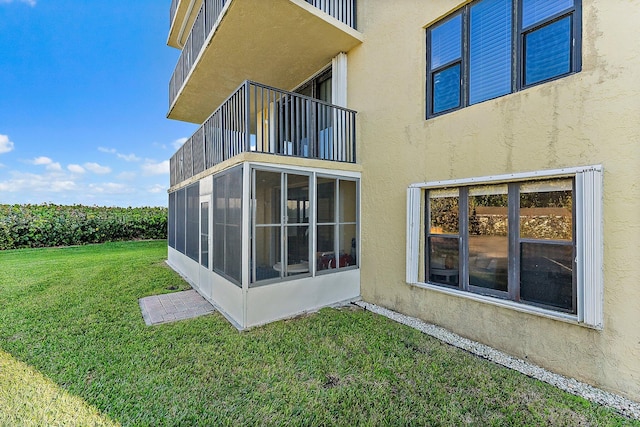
262,119
343,10
202,26
172,11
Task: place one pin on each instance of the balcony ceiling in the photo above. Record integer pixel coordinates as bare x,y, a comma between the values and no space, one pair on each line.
277,42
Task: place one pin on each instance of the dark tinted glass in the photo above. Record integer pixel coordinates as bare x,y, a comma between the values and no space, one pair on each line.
267,248
193,222
443,260
546,274
181,205
488,241
204,234
171,221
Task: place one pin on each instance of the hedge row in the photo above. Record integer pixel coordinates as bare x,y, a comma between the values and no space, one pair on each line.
33,226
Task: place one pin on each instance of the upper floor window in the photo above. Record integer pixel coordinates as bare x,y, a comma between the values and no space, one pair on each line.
318,87
490,48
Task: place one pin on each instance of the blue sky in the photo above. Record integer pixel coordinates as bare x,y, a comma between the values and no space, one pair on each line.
83,100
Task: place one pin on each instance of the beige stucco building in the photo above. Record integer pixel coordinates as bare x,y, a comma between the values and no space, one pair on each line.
474,164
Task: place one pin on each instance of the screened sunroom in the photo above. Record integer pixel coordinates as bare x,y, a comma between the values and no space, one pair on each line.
266,241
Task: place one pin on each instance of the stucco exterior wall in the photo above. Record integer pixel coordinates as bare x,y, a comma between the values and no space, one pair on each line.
591,117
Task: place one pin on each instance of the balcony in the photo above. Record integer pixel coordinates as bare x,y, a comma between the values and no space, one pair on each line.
262,119
278,42
181,16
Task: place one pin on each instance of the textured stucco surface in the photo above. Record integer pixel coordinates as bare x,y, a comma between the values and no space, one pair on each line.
587,118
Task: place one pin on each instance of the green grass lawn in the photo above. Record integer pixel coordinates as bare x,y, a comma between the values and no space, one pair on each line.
74,350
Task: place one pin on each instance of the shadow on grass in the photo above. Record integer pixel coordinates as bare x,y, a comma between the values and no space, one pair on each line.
29,398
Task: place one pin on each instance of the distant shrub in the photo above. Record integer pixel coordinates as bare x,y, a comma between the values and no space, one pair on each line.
34,226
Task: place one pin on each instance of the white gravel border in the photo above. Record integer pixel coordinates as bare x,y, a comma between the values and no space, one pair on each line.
621,404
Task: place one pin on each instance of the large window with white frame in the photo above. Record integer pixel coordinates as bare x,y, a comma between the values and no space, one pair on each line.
490,48
534,240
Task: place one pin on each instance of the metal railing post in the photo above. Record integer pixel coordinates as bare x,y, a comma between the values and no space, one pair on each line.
353,136
247,123
291,124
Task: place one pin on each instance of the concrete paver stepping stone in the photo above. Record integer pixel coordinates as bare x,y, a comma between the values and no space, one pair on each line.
165,308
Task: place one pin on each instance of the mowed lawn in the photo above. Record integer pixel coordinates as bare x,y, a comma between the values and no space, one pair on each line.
74,350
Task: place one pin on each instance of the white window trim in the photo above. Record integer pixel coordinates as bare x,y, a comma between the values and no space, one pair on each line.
414,196
589,242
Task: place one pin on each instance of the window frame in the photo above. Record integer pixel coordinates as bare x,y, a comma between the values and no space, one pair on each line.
225,258
337,224
171,220
312,223
513,240
313,85
587,240
518,52
181,221
192,221
205,232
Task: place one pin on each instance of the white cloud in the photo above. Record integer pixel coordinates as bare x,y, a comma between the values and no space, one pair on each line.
178,142
126,157
34,183
42,160
127,176
76,169
63,185
96,168
29,2
69,187
6,144
110,188
153,168
46,161
158,188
